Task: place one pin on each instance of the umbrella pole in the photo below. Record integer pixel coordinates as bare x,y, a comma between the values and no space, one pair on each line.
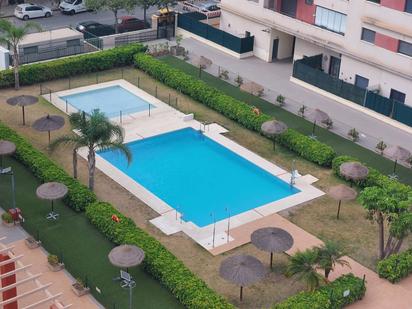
313,128
49,136
241,293
337,216
271,260
274,144
394,166
52,202
24,118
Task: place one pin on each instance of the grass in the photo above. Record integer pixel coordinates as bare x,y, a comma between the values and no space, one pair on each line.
340,144
83,249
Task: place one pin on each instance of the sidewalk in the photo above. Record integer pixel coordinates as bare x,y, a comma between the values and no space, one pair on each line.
276,77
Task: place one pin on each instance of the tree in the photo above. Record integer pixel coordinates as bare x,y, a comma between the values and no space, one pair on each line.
329,255
166,4
96,132
303,266
388,206
145,5
11,36
112,5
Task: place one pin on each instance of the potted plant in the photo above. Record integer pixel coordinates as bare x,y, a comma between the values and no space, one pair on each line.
224,74
381,147
354,135
32,243
54,263
178,50
239,81
280,99
7,219
80,288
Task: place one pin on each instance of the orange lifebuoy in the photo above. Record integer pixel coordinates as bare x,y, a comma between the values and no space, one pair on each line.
256,111
115,218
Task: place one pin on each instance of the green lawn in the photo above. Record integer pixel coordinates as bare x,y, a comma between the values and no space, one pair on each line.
83,248
340,144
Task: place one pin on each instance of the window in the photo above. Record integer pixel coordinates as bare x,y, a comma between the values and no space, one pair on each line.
408,6
309,2
405,48
397,96
376,1
368,35
331,20
361,82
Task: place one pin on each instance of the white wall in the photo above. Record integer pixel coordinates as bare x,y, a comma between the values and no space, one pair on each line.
304,48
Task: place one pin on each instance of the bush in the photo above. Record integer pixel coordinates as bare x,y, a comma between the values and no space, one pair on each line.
78,197
53,259
71,66
396,266
329,296
6,217
232,108
191,291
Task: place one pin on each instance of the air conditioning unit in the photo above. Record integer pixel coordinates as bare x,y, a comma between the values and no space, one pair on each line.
4,58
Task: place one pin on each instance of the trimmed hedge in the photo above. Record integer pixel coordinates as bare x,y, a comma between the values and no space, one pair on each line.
396,267
70,66
232,108
78,197
329,296
161,263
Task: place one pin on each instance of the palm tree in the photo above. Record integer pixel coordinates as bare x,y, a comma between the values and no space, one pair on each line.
329,255
303,265
96,132
11,36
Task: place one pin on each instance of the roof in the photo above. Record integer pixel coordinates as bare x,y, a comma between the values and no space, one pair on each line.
47,36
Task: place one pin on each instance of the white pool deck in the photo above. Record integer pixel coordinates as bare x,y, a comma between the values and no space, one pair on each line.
165,118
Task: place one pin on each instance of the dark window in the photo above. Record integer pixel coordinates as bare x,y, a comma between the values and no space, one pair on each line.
376,1
309,2
408,6
405,48
368,35
361,81
397,96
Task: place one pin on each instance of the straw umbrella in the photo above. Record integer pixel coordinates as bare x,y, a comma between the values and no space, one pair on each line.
22,101
272,239
273,129
125,256
318,116
342,193
353,171
252,88
242,270
397,153
48,123
52,191
6,148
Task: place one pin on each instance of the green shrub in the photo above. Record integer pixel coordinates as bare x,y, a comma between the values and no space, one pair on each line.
329,296
191,291
232,108
6,217
396,266
71,66
78,197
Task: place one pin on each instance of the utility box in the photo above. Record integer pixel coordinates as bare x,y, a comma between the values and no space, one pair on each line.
4,58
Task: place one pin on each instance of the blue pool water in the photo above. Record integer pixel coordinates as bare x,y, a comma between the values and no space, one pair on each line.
109,100
198,176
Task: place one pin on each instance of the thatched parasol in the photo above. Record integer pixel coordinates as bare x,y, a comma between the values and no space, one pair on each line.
252,88
242,270
6,148
318,116
48,124
273,129
353,171
52,191
272,239
126,256
342,193
202,63
397,153
22,101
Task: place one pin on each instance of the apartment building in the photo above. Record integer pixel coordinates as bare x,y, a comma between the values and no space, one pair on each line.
363,42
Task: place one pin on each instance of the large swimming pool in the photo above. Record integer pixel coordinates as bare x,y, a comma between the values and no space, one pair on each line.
109,100
199,177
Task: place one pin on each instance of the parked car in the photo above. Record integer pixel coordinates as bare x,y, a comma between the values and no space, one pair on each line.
93,28
72,6
130,23
27,11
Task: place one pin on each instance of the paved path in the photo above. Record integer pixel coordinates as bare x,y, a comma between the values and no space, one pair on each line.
276,77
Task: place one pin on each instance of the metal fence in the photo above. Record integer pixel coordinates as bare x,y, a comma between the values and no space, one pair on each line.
191,23
143,36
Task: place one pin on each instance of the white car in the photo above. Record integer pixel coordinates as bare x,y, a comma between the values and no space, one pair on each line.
73,6
28,10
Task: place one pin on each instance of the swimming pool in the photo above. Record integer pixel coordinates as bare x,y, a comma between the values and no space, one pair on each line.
109,100
199,177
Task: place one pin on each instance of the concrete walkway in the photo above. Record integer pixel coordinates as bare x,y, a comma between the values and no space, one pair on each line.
276,77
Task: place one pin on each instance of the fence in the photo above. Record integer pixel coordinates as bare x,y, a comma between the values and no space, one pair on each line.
143,36
191,23
307,70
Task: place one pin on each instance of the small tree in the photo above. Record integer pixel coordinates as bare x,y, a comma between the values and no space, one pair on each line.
353,134
11,36
329,255
145,5
302,265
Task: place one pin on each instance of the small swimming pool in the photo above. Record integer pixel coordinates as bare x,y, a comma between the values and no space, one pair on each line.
199,177
109,100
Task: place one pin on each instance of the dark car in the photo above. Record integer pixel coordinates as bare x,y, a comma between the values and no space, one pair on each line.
92,29
130,23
